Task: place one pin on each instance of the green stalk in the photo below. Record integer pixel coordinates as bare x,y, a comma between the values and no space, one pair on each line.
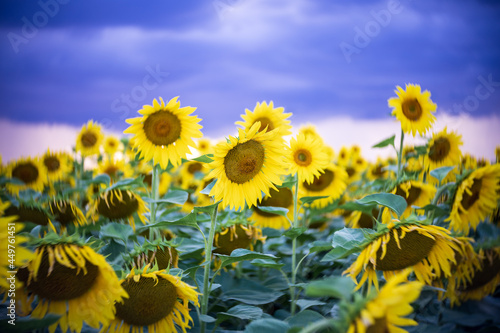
155,184
400,156
294,246
208,261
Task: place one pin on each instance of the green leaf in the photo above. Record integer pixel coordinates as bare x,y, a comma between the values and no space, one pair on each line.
177,197
395,202
354,205
241,311
336,286
116,231
318,246
127,183
209,187
274,210
294,232
101,179
304,318
210,210
307,303
289,184
267,325
385,143
207,318
266,263
242,255
16,181
308,200
250,292
347,241
441,173
28,324
188,220
207,158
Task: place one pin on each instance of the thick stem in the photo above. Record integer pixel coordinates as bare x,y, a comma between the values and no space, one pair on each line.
294,246
155,184
208,261
400,155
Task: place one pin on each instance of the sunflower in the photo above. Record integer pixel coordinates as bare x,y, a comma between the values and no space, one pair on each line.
159,252
67,213
358,219
70,280
204,146
306,157
269,117
114,168
415,193
30,171
309,130
384,311
164,132
344,156
246,166
236,236
331,183
429,250
443,150
282,197
117,205
497,154
377,170
157,301
413,109
56,164
13,253
111,145
89,139
475,198
29,212
192,171
146,170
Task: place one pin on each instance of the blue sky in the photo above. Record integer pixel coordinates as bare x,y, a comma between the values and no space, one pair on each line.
67,61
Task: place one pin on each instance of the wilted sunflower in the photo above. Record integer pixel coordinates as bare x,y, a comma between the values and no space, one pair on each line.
306,157
11,248
164,132
111,144
331,183
71,280
236,236
385,310
413,109
56,164
444,150
269,117
282,197
475,198
119,205
89,139
247,166
429,250
158,252
415,193
30,171
157,301
66,212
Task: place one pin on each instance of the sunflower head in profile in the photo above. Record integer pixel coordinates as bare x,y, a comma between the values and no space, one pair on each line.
475,199
56,165
67,213
157,301
69,279
246,166
427,249
331,183
443,150
32,212
281,197
306,158
236,236
385,311
30,171
159,253
119,205
413,108
111,145
269,117
165,132
415,193
89,139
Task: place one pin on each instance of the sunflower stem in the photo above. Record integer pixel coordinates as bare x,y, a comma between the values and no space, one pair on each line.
294,246
208,261
400,156
155,183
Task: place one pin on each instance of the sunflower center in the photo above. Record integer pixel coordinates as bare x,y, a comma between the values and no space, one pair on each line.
469,199
149,301
302,157
118,209
320,183
111,171
264,122
244,161
412,109
26,172
378,326
63,212
412,196
63,283
414,248
439,150
162,128
194,168
490,269
378,171
232,240
88,139
281,198
52,163
350,171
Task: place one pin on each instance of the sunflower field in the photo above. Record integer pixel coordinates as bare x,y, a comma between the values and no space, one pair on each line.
271,230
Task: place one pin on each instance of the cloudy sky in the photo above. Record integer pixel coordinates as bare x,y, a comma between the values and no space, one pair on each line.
67,61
